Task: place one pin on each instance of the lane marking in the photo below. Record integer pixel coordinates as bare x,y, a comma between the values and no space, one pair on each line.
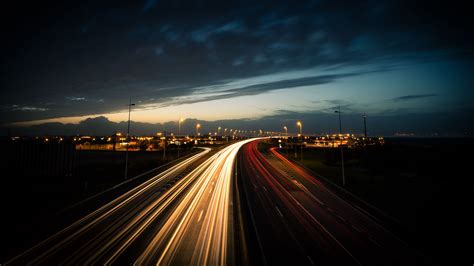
340,217
253,222
304,189
200,215
357,208
327,231
375,242
279,212
355,228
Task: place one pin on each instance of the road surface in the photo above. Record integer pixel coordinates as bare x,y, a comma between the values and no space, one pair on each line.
295,219
186,222
273,213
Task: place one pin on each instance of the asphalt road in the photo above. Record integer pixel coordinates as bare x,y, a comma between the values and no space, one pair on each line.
273,213
185,221
294,219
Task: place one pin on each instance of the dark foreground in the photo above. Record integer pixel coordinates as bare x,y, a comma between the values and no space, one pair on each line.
228,206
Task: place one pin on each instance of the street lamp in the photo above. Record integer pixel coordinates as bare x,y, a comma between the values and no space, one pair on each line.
342,151
130,104
197,129
365,141
164,146
300,125
179,133
179,125
365,125
286,142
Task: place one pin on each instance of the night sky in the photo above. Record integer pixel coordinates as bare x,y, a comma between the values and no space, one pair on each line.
408,65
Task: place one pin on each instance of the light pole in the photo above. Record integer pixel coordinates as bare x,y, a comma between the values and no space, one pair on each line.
179,133
164,145
130,104
342,152
286,139
365,141
300,125
365,125
179,125
197,129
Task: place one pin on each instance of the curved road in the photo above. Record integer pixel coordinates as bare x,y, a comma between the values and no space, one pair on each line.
296,219
187,222
188,214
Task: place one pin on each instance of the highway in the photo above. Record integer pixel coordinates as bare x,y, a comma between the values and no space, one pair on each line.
293,218
170,219
274,212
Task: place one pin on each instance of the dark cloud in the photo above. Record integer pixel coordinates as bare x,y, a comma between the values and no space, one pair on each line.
288,83
413,97
106,51
269,86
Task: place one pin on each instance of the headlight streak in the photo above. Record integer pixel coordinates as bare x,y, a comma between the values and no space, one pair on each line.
184,240
193,220
56,242
316,224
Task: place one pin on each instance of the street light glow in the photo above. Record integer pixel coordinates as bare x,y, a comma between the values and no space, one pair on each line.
197,129
300,125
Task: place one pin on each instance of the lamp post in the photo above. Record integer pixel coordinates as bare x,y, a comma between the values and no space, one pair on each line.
197,129
179,133
286,138
365,125
164,145
130,104
179,125
365,141
342,151
300,125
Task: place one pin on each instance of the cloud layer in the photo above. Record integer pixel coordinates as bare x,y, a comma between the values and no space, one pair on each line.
82,58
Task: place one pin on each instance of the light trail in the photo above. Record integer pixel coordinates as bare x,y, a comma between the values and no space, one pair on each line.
181,239
124,206
314,223
189,222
